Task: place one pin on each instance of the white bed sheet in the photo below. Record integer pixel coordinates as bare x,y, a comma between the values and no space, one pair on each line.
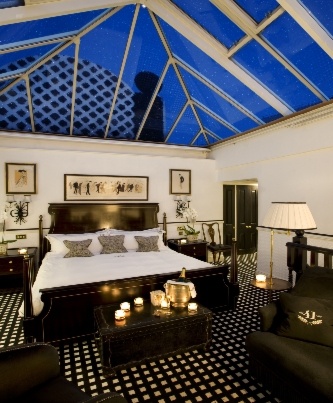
57,271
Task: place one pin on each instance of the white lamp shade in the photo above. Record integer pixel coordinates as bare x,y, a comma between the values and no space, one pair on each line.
289,216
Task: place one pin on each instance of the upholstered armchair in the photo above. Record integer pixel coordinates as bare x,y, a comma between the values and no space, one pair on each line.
31,373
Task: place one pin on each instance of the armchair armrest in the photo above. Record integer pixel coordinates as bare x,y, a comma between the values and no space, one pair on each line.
267,316
25,366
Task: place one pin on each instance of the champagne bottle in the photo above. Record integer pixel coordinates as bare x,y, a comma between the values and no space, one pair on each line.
182,277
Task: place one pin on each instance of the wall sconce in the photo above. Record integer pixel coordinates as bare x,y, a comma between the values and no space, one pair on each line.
183,202
19,210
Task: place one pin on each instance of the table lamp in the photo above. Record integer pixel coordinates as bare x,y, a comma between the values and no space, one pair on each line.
288,216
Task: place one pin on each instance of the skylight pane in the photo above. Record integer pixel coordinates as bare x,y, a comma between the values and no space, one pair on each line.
217,104
187,128
10,62
212,20
173,98
322,10
216,74
11,3
48,26
200,141
302,51
14,109
213,125
145,63
266,69
258,9
100,57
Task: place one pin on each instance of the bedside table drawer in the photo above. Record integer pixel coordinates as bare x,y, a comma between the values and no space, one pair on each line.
11,266
194,250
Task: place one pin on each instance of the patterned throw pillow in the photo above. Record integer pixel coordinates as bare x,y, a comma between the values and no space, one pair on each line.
78,248
112,244
308,319
147,243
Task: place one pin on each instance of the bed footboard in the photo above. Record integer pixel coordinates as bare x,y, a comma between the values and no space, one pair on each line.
68,311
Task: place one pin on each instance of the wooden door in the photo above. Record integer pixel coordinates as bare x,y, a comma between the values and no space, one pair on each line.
240,215
247,218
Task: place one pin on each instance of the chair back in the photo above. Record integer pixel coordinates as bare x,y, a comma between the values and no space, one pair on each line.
211,232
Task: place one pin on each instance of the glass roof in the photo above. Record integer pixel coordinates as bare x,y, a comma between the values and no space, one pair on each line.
172,72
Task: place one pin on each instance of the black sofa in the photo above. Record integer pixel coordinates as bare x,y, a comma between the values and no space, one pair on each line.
292,355
31,373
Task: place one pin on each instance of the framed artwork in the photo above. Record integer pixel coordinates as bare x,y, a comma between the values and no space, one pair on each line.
20,178
105,187
180,181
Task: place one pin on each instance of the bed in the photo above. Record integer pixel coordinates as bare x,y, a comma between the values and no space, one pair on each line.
65,309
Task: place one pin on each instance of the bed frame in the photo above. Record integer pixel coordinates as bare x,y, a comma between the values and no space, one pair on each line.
68,310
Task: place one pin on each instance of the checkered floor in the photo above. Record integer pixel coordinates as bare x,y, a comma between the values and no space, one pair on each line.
218,375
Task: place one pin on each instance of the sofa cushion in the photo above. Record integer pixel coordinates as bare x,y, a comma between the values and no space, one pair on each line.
305,367
315,282
308,319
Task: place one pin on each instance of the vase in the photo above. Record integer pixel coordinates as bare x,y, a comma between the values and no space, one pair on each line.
192,238
3,248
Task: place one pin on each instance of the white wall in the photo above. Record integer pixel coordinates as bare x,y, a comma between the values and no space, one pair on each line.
56,157
292,161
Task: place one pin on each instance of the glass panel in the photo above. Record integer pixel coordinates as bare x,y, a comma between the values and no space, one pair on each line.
322,11
14,109
298,47
213,125
17,60
146,60
11,3
51,91
174,99
216,74
48,26
217,104
212,20
200,141
258,10
98,70
255,59
186,129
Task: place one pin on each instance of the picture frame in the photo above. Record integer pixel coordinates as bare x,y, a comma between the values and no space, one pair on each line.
105,187
20,178
180,181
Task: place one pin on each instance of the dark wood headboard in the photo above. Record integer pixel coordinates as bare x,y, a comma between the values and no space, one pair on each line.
76,218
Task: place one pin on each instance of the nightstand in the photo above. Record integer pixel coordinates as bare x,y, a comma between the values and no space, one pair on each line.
197,249
11,264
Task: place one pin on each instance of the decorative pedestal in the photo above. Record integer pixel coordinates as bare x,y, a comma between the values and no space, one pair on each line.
192,238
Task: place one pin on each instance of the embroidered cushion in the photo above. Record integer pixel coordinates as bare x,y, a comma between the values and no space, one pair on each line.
147,243
112,244
78,248
308,319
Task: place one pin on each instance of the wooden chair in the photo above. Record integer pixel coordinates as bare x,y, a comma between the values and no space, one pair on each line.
214,236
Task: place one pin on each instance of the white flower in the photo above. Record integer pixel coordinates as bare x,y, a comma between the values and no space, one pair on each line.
190,214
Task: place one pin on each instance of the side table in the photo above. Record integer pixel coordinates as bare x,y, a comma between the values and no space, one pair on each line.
11,264
144,334
277,285
197,249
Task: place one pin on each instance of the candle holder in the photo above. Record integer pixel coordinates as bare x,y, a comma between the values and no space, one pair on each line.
119,314
192,307
22,251
138,301
261,278
125,306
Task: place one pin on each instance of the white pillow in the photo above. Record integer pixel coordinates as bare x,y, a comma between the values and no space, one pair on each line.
58,246
130,242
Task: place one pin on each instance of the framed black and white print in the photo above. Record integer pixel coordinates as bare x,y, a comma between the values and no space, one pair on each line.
20,178
105,187
180,181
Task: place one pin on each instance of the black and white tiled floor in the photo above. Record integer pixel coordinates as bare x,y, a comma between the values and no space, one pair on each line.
218,375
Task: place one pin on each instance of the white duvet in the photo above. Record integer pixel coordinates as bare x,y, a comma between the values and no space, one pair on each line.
57,271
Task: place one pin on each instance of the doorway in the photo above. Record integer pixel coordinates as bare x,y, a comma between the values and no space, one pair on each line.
240,215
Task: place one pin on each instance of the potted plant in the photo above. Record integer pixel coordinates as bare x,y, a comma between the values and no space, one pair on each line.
191,215
3,243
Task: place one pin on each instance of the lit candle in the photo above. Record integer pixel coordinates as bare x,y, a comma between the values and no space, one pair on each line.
119,314
192,306
164,304
125,306
22,251
261,278
138,301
